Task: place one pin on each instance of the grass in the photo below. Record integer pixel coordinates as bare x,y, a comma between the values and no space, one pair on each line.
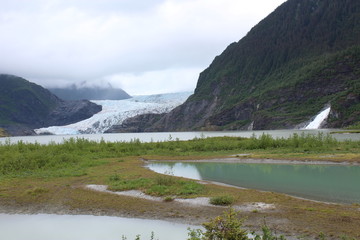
34,175
160,185
355,126
346,131
74,156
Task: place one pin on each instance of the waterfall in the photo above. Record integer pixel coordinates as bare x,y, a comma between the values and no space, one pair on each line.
319,119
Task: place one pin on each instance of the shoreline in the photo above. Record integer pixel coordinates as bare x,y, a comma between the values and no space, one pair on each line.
261,161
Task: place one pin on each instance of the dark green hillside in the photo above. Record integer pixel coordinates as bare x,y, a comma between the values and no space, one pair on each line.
25,106
24,102
298,33
303,56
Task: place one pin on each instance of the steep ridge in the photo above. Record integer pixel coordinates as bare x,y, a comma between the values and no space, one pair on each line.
25,105
303,56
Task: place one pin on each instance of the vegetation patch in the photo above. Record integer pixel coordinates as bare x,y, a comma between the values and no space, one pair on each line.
160,185
354,126
74,156
37,191
224,200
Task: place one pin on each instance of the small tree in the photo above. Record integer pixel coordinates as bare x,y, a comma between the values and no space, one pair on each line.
225,227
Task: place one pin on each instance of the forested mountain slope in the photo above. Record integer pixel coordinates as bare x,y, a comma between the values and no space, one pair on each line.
303,56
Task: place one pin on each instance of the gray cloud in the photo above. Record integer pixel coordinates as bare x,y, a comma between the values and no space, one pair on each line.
144,46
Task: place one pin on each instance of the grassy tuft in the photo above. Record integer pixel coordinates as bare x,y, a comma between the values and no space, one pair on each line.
224,200
36,191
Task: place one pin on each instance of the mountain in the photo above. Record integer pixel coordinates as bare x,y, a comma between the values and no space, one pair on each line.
300,59
115,112
89,93
25,105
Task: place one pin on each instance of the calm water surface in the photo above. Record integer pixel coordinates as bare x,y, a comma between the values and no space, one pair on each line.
332,183
166,136
82,227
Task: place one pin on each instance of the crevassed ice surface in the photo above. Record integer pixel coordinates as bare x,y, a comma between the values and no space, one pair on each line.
316,123
116,111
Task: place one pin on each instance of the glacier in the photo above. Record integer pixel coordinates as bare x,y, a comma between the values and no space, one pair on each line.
319,119
116,111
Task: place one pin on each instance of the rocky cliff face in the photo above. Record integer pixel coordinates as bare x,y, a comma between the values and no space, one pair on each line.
303,56
67,112
25,105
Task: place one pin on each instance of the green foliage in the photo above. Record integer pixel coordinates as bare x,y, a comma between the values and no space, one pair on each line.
355,126
161,185
225,227
168,199
164,180
74,156
123,185
224,200
229,227
176,188
37,191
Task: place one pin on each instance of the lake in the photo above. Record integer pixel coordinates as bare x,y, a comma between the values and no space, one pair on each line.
85,227
167,136
331,183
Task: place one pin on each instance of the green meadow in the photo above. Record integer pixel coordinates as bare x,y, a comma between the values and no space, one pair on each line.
53,178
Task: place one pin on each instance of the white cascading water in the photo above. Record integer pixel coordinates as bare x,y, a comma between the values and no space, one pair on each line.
319,119
116,111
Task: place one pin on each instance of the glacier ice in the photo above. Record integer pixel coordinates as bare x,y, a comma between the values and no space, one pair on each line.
116,111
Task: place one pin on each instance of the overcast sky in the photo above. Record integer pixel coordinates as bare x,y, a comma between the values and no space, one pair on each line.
143,46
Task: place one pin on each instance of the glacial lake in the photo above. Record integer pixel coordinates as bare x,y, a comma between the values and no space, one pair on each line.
168,136
85,227
330,183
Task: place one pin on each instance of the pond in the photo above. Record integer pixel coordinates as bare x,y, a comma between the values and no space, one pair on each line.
330,183
168,136
85,227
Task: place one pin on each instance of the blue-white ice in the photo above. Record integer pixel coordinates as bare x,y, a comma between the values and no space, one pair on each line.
116,111
319,119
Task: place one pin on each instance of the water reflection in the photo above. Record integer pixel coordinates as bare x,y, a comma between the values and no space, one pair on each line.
178,169
81,227
333,183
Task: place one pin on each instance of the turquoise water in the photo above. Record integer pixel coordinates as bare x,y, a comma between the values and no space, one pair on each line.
331,183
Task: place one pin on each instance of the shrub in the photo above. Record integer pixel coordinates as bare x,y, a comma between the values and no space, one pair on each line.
224,200
165,180
225,227
168,199
229,227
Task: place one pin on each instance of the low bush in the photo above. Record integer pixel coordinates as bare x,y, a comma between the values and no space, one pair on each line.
224,200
